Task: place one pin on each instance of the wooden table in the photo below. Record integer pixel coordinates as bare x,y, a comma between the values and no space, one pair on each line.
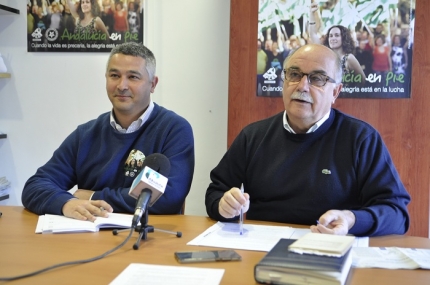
22,251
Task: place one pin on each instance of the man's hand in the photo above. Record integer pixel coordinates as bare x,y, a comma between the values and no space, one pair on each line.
335,222
231,203
86,210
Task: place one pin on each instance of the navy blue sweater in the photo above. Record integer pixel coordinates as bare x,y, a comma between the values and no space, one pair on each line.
295,178
93,157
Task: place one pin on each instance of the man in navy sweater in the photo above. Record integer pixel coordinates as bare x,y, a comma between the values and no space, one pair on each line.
103,156
311,164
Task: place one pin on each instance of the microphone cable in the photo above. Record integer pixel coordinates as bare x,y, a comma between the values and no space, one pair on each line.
70,262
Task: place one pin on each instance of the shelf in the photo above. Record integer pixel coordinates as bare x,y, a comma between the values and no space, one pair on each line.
3,136
6,10
4,75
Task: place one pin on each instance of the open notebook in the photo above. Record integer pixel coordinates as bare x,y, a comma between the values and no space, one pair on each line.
61,224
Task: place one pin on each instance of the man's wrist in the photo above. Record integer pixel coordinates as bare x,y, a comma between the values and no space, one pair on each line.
62,208
84,194
350,218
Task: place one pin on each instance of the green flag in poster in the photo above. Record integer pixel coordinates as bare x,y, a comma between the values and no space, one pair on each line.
376,48
83,25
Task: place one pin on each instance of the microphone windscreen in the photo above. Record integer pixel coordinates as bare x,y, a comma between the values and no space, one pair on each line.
158,162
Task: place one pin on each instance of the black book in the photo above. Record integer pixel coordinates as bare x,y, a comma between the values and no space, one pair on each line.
281,266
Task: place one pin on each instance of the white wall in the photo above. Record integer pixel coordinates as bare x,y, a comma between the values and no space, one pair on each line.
49,94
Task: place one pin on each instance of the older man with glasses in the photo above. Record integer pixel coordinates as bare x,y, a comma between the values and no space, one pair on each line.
311,164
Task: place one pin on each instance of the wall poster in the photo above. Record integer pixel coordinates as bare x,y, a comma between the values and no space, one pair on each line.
83,25
374,39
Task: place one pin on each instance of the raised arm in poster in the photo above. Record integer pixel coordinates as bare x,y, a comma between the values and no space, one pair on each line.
83,25
373,38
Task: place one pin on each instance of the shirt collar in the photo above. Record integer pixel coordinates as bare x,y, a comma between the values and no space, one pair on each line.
312,129
136,124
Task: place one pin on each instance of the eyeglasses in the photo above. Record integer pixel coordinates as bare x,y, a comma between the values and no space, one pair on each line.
314,78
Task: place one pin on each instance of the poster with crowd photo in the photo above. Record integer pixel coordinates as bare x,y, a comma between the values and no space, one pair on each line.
83,25
373,38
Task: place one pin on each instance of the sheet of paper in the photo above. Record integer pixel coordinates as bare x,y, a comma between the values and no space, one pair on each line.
255,237
137,273
391,258
361,242
419,255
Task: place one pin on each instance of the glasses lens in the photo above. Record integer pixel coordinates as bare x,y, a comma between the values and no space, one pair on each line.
317,79
293,75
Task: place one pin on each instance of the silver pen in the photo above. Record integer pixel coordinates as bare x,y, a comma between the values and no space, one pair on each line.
241,213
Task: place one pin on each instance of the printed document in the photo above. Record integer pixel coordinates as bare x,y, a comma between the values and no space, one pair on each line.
391,258
254,237
137,273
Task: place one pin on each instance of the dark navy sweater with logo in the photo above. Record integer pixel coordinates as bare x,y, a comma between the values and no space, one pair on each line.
295,178
93,157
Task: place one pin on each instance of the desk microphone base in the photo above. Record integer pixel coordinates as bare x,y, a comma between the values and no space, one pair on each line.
143,229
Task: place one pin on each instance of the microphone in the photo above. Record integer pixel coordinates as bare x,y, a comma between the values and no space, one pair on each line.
149,184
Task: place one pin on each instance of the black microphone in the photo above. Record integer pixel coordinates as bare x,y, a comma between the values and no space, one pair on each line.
149,184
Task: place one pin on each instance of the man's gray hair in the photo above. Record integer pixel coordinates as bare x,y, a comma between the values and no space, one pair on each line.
135,49
338,63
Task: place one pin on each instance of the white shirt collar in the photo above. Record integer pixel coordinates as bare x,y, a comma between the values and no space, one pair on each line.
311,129
136,124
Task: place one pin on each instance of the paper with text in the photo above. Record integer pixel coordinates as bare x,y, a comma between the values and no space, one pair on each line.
391,258
137,273
255,237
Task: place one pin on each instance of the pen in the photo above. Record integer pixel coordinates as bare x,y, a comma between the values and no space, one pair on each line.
241,213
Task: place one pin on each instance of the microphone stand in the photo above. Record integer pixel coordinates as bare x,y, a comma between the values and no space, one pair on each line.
143,229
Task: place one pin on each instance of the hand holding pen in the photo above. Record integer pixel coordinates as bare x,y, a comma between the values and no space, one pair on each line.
232,202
